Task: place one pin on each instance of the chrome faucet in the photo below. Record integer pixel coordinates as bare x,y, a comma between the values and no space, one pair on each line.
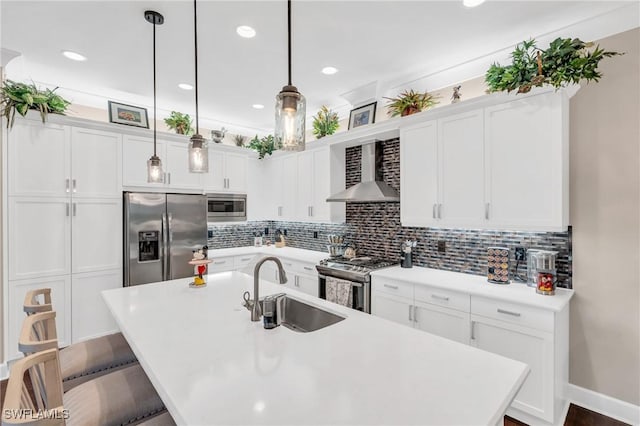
256,312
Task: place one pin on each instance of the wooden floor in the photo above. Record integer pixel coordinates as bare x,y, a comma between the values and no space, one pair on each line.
577,416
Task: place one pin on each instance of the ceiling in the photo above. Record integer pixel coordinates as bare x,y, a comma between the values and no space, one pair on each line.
384,43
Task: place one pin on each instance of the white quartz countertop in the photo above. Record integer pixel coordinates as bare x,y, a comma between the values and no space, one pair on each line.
211,365
477,285
288,252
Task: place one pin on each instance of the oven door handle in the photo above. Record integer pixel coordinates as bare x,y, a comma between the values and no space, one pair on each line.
353,283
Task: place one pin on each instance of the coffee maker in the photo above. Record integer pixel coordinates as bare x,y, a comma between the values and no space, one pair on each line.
541,271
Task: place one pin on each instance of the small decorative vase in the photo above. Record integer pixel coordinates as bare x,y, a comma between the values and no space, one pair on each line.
409,111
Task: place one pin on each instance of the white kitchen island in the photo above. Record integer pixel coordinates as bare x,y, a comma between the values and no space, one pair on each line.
212,366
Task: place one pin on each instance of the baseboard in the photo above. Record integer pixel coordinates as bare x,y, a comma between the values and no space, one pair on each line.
603,404
4,371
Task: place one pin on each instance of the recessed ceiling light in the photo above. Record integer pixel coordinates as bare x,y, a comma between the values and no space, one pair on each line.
246,31
185,86
74,55
329,70
472,3
258,106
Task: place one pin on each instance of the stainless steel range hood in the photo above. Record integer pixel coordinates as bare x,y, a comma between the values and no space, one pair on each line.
371,189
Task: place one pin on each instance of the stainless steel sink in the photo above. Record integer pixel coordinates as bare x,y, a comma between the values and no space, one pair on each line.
299,316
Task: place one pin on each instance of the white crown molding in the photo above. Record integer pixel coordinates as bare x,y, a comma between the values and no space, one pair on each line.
603,404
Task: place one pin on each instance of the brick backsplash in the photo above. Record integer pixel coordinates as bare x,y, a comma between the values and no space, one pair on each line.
375,230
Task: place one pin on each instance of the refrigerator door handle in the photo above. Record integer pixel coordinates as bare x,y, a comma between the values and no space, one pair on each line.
165,248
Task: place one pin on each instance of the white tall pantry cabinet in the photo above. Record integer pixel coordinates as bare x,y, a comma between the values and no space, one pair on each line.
62,182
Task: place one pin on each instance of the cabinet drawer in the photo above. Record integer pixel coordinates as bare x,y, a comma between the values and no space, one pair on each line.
526,316
446,298
298,267
240,262
398,288
221,264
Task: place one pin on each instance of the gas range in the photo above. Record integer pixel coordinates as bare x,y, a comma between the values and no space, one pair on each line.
355,269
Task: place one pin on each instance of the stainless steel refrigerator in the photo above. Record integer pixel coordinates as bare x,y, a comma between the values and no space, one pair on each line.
160,233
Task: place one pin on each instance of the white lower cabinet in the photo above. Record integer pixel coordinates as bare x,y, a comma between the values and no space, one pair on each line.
90,316
60,299
394,308
305,283
443,322
535,336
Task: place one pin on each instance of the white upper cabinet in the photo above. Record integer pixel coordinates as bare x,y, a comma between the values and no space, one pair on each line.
419,175
40,159
288,188
504,166
227,172
527,162
461,169
305,200
95,163
177,174
136,151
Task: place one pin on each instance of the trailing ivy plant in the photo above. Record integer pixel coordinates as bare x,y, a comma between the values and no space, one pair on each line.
22,97
265,145
325,122
179,122
565,61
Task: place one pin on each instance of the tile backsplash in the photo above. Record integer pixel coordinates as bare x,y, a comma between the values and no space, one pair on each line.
375,230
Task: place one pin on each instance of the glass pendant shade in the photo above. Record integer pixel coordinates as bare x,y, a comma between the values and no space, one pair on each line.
290,119
198,154
154,170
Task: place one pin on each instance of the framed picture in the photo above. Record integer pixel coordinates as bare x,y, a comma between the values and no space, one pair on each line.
128,115
362,116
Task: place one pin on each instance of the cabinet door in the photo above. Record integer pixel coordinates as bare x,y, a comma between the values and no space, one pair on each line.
269,273
533,347
90,315
235,168
289,187
39,159
39,237
461,139
419,175
320,209
96,235
274,189
305,200
95,164
214,179
526,153
307,284
393,308
178,175
136,151
443,322
60,299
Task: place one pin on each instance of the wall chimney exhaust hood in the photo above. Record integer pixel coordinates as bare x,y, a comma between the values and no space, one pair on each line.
371,189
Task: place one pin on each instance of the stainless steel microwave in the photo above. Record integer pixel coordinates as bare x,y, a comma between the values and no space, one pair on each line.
226,207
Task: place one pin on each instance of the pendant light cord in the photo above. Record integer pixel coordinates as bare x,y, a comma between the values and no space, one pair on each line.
289,36
195,38
154,87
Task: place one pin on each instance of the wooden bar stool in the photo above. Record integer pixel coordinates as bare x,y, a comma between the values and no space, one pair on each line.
123,397
84,360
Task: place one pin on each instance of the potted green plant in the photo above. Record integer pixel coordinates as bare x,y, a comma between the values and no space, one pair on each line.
22,97
565,61
179,122
325,122
409,102
265,145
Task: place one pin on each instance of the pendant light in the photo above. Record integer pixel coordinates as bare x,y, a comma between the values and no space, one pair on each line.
154,165
198,150
290,108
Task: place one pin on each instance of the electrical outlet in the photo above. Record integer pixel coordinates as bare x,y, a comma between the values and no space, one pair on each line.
315,234
266,231
521,253
442,246
285,232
